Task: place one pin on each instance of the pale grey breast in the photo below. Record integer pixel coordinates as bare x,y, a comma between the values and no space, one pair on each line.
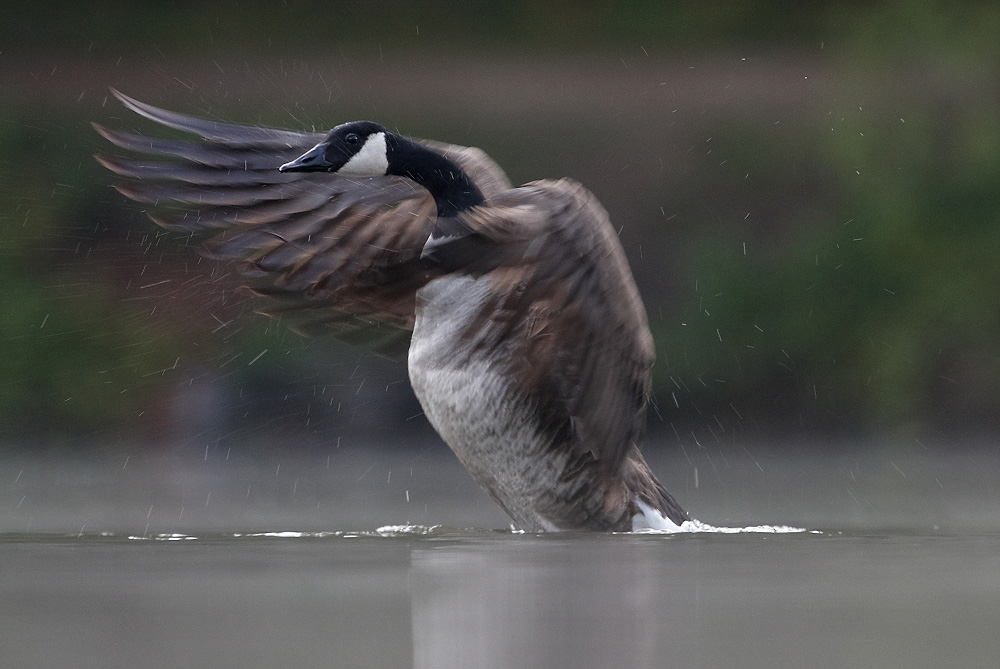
477,409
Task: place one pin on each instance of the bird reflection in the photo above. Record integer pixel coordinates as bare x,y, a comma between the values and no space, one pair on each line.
497,605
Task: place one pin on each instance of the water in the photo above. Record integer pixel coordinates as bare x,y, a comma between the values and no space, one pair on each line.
99,567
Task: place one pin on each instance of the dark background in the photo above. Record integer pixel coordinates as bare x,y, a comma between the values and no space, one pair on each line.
809,199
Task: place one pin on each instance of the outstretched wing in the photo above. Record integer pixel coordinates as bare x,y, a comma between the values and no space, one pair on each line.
341,253
564,294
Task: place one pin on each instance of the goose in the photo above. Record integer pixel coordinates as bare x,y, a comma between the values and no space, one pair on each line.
528,343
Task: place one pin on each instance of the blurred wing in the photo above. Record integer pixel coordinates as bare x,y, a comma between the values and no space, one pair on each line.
341,254
565,294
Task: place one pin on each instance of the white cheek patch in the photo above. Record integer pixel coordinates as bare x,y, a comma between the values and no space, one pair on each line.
370,161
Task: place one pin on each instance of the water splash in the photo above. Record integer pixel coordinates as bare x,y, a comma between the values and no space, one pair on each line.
389,531
696,526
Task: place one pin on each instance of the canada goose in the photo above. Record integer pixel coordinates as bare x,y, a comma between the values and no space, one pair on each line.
530,351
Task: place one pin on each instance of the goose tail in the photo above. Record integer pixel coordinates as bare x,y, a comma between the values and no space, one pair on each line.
655,508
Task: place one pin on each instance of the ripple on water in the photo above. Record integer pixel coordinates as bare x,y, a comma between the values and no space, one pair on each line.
691,527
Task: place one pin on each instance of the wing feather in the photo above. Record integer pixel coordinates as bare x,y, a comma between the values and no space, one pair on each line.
342,253
583,350
224,134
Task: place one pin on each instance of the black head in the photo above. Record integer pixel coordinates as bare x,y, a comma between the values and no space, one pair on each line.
355,149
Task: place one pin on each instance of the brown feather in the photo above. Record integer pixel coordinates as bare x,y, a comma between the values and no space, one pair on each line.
341,251
583,347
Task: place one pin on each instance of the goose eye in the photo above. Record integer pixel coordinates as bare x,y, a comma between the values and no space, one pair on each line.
352,138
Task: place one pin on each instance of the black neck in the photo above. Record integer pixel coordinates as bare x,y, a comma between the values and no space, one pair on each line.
452,188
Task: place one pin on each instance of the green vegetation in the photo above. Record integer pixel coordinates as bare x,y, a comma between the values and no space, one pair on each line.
74,355
898,30
882,311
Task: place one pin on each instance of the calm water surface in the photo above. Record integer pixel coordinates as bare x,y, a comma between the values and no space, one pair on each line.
200,561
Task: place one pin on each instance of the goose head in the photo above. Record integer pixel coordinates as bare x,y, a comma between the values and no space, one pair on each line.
366,149
352,149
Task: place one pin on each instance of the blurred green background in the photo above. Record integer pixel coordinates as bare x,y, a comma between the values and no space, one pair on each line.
809,199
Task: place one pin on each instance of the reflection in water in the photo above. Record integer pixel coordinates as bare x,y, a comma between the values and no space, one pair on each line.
440,598
508,605
548,602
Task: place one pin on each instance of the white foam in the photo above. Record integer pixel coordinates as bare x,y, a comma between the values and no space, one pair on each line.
696,526
651,521
393,530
